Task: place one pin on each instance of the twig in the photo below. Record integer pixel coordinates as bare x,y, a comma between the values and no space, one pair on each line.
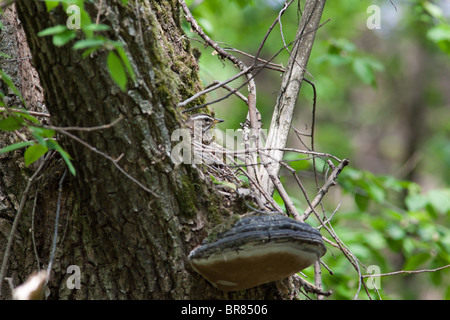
64,130
310,287
196,27
234,91
330,182
32,229
97,20
278,19
339,244
264,63
318,278
108,157
212,88
33,113
55,232
88,129
332,215
250,77
405,272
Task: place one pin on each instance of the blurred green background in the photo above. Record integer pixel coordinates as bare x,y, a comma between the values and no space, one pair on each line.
383,101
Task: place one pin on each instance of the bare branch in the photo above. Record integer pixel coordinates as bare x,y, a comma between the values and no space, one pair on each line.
108,157
55,231
292,79
33,113
95,128
330,182
405,272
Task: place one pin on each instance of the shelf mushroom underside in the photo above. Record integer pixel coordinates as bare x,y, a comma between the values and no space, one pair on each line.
252,253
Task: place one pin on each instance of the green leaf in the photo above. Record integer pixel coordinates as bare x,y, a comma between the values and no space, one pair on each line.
11,123
433,10
97,27
61,34
24,114
440,199
51,4
4,55
361,201
33,153
296,161
87,52
67,3
363,71
43,132
395,232
62,38
441,36
89,43
16,146
416,260
415,202
60,28
52,144
376,192
206,25
6,79
125,60
439,33
117,70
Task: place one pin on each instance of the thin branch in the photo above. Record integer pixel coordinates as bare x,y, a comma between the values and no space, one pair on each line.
331,181
55,232
250,77
405,272
310,287
108,157
33,113
97,20
232,90
32,229
212,88
64,130
278,19
264,63
88,129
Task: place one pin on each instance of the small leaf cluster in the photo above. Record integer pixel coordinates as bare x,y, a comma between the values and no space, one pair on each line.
118,63
16,119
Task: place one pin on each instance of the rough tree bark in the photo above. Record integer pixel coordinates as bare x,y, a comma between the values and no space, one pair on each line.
127,242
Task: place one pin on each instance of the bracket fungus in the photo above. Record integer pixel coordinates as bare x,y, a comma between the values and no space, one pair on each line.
258,250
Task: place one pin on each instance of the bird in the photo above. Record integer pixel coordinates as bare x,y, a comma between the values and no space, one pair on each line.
200,125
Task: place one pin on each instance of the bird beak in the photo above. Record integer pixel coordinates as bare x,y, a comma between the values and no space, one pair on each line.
214,122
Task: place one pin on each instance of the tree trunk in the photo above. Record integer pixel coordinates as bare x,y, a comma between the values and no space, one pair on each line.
128,243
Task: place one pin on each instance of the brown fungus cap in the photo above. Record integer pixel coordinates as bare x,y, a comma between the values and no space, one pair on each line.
258,250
